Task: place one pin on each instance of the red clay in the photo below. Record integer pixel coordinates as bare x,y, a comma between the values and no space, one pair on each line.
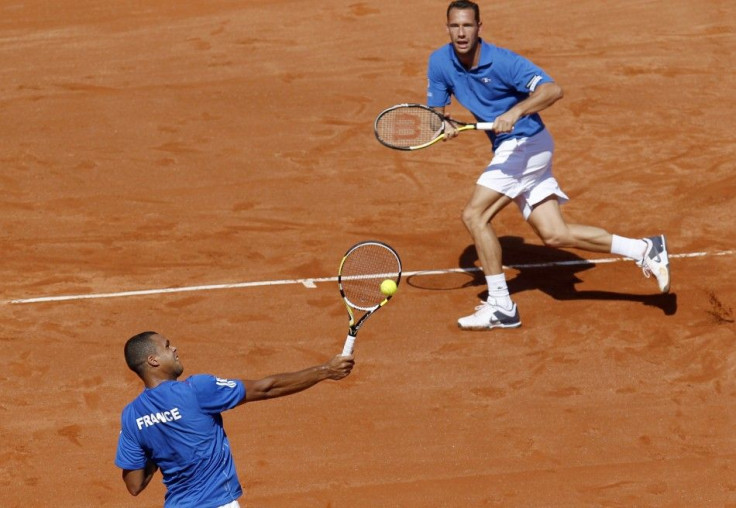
172,144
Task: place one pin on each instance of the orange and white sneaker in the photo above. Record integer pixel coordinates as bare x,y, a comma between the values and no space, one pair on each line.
488,315
656,261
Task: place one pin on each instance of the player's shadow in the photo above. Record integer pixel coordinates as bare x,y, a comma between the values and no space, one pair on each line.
554,272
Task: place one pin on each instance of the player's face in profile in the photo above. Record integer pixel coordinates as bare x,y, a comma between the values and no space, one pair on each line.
464,31
167,356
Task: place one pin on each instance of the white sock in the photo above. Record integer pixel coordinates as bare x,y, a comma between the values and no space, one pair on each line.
628,247
498,291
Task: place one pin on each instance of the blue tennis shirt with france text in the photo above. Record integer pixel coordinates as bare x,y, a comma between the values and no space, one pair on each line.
501,79
178,426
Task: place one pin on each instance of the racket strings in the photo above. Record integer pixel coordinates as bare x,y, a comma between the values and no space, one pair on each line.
408,126
362,272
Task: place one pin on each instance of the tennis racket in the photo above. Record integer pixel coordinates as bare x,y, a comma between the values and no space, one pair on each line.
362,270
415,126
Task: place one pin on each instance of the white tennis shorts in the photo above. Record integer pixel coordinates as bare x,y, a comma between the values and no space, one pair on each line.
522,170
233,504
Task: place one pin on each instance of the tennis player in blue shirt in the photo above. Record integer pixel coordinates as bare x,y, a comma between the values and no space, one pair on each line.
497,85
176,426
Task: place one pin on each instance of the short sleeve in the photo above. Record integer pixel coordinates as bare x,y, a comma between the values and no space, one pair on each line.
129,454
216,394
525,75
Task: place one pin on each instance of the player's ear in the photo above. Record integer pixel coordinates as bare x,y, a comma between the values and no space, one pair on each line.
152,360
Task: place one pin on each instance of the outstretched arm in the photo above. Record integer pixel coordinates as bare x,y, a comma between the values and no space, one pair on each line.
279,385
137,479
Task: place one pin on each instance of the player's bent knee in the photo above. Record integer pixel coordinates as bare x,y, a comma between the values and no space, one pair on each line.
555,241
469,219
473,215
474,226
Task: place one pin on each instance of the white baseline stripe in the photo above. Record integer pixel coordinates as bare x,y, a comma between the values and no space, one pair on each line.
311,283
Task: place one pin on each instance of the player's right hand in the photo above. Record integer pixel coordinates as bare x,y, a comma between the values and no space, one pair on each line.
450,130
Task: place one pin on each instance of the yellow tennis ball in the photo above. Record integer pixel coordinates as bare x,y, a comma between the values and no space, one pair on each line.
388,287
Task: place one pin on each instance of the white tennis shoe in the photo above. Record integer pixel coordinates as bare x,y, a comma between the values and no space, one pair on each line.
488,315
656,261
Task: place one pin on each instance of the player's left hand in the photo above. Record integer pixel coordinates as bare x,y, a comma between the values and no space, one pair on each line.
505,123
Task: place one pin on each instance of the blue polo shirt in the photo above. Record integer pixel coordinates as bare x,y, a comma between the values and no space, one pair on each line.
501,80
178,426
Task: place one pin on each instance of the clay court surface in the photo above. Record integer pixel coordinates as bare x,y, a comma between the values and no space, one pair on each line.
154,145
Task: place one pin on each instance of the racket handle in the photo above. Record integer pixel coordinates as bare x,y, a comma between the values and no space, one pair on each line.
347,349
484,126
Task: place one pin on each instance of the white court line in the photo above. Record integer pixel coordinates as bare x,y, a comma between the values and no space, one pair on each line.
311,283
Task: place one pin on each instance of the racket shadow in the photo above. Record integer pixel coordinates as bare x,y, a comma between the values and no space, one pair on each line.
558,281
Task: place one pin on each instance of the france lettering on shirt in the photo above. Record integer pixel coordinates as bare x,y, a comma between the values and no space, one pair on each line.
160,417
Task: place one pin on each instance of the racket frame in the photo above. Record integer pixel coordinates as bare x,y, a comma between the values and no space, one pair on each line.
353,325
461,126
